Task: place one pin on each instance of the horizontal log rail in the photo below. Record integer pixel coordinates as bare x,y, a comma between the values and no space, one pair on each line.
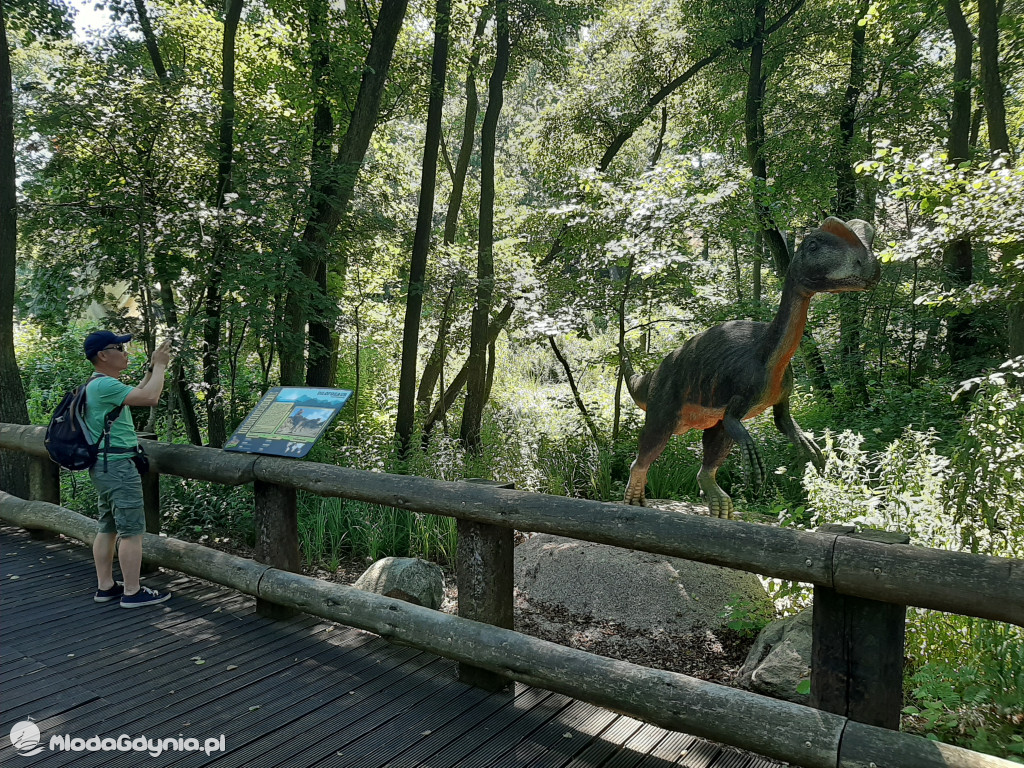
956,582
791,732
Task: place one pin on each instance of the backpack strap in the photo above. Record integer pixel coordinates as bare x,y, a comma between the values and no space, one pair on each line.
113,416
108,422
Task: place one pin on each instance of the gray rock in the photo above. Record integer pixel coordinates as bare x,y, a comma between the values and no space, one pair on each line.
405,578
636,590
780,659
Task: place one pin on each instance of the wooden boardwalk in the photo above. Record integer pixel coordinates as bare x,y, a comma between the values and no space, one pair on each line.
296,693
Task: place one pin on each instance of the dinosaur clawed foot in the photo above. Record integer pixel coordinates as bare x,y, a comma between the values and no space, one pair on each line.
635,487
719,502
635,494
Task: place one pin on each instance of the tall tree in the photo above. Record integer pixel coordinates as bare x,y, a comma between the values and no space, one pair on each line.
846,207
332,187
957,255
998,137
424,225
13,466
476,383
755,139
459,172
216,428
181,389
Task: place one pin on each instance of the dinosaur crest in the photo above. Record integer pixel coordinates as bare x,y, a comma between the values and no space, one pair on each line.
844,231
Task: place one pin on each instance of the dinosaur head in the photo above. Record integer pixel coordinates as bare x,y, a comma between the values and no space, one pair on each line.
836,257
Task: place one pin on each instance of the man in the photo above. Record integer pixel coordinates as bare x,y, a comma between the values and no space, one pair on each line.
118,485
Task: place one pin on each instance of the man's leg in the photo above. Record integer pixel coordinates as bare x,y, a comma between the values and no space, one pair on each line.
129,554
103,557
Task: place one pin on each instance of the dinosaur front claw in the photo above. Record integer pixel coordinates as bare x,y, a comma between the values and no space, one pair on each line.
812,451
753,463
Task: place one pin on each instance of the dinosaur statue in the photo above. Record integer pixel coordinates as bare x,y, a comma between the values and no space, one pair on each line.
736,370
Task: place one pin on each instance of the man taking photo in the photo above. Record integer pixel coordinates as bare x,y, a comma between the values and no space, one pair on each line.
117,481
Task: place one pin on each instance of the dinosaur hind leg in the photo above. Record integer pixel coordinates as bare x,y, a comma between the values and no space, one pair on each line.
653,440
716,447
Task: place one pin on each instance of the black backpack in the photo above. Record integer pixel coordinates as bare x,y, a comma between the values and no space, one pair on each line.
67,439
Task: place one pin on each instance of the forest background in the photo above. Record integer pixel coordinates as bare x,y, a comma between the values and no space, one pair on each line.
466,211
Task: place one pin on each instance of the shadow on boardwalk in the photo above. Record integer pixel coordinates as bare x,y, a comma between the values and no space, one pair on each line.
296,693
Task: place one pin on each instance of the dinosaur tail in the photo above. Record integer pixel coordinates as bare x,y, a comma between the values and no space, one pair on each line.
636,383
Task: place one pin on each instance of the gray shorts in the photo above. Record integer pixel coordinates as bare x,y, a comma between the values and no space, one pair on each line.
119,489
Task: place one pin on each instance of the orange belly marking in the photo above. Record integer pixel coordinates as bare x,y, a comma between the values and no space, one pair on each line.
701,417
698,417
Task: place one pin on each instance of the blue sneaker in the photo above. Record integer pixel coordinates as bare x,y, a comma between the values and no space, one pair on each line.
145,596
106,595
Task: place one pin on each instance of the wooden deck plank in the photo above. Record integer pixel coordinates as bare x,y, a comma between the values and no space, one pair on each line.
270,684
150,690
702,755
443,739
636,747
607,743
376,749
302,692
108,661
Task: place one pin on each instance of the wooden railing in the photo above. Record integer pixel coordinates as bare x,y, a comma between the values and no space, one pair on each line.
862,585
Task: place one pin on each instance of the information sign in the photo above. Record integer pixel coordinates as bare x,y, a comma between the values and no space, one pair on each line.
288,421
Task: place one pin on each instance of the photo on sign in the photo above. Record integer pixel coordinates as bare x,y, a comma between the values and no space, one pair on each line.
305,422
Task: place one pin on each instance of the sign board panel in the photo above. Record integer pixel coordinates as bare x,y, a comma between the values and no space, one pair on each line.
288,421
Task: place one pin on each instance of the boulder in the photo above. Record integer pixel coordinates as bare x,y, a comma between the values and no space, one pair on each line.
635,590
405,578
780,659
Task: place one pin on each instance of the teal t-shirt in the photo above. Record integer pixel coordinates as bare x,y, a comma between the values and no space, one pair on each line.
103,395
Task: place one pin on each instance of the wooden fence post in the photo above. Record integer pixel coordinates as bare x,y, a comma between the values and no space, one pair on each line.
857,649
151,493
483,568
151,504
277,538
43,485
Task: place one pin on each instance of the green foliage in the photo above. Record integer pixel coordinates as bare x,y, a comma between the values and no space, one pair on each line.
746,617
986,473
966,676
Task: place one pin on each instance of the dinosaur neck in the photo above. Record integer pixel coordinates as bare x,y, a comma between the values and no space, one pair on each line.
783,335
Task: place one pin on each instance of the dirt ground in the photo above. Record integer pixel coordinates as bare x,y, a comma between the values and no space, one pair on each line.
712,656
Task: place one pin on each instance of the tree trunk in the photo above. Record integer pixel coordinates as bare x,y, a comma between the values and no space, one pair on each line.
13,465
991,84
476,382
424,221
957,256
617,417
150,40
815,364
851,316
331,192
178,378
998,139
755,288
754,133
451,219
216,429
587,419
435,363
448,397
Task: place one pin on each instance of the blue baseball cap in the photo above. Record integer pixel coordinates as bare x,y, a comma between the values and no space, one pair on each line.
100,340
